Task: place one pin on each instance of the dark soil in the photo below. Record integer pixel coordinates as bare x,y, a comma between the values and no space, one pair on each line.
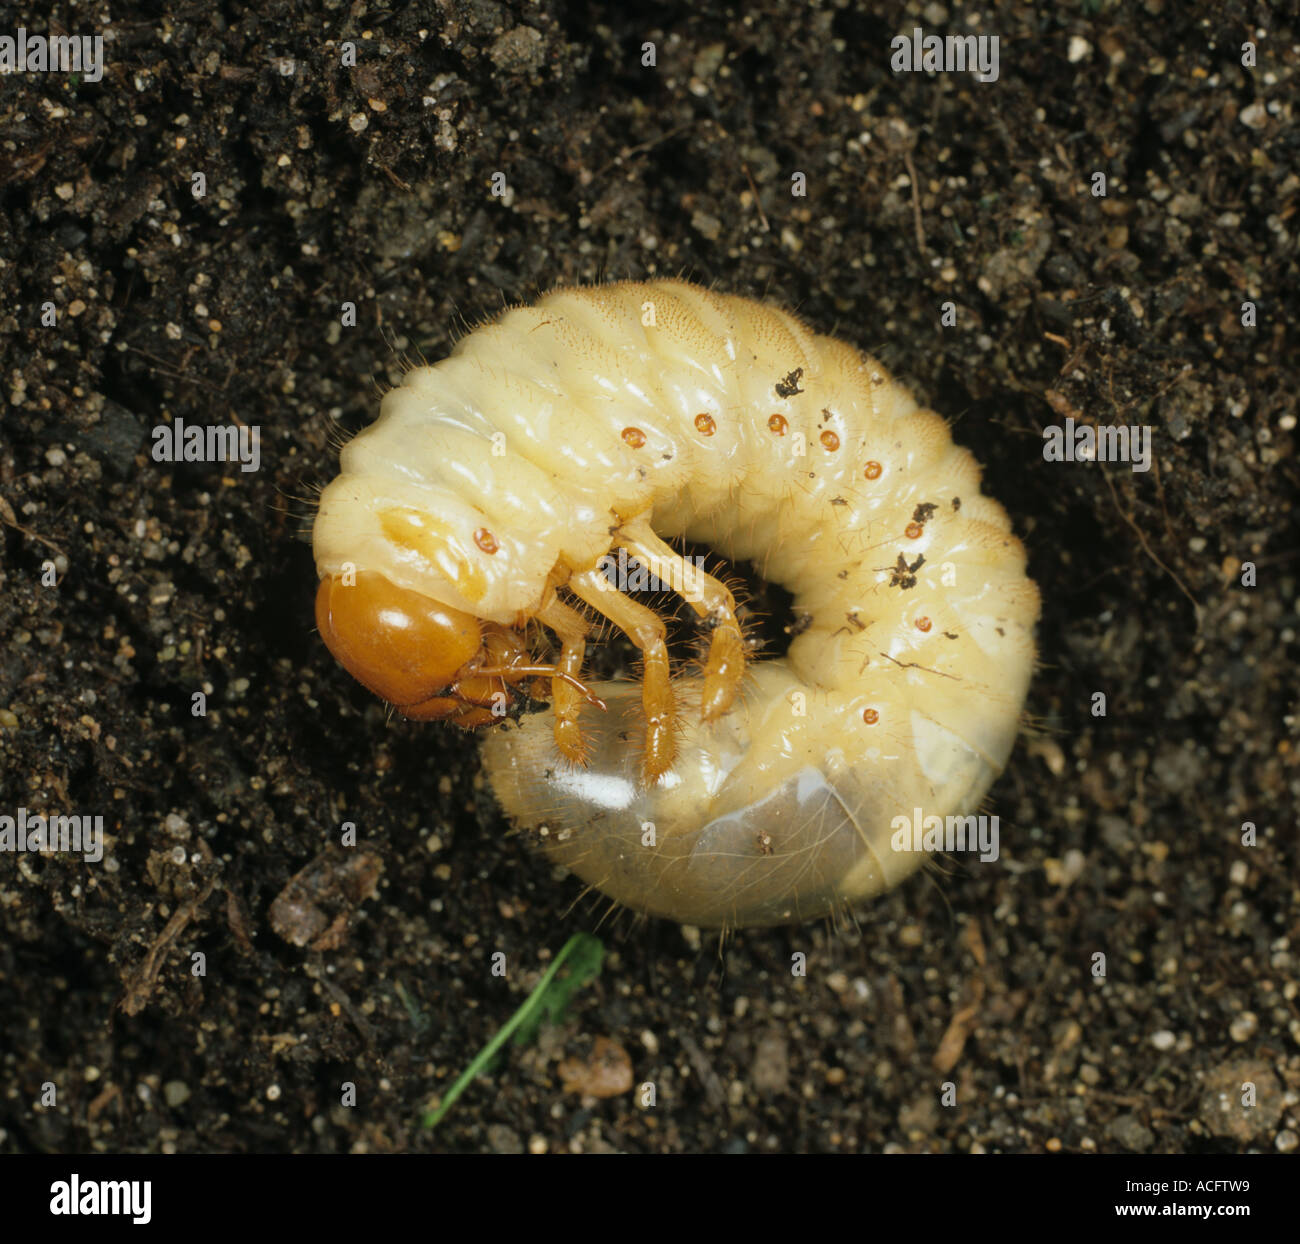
325,185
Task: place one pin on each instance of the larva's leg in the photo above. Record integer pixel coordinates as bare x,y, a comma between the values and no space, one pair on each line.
566,700
710,599
644,628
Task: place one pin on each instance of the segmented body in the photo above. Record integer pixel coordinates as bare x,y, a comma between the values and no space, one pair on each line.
500,475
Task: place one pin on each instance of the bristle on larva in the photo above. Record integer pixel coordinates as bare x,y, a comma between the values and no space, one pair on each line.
538,474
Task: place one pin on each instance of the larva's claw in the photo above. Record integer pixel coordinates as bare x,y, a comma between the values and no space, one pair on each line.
567,692
566,704
660,716
723,671
569,741
660,751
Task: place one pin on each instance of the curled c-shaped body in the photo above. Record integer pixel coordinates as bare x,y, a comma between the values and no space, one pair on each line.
899,698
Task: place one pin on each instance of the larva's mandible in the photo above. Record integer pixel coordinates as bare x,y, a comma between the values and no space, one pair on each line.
619,417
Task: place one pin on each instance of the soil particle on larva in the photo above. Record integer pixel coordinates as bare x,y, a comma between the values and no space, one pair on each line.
902,575
195,578
789,385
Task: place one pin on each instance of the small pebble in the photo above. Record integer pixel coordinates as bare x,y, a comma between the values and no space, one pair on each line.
1244,1026
176,1093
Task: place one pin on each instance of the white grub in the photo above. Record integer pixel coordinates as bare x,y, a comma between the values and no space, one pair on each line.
661,406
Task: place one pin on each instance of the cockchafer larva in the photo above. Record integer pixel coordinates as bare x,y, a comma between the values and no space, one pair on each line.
620,416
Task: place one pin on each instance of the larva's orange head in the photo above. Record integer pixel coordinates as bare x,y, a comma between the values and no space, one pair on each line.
404,646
